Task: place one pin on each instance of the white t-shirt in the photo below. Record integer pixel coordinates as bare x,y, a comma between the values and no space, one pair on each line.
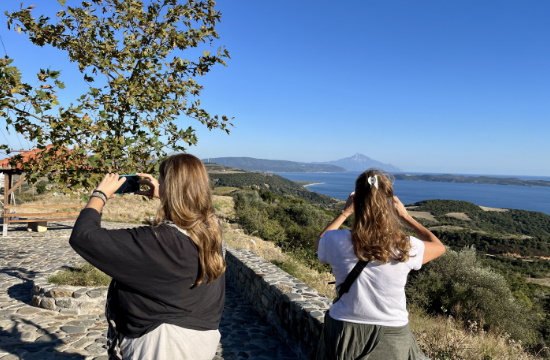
377,296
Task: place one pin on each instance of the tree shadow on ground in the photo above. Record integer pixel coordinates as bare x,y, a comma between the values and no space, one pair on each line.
25,338
21,291
44,347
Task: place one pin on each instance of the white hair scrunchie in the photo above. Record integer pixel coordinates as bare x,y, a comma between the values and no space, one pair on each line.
373,181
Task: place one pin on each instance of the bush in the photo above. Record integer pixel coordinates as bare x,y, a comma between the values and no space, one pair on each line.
457,284
41,187
291,223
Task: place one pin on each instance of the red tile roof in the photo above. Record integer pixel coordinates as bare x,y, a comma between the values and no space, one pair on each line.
5,163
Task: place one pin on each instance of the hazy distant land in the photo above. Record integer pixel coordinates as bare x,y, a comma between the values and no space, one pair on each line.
270,166
357,161
473,179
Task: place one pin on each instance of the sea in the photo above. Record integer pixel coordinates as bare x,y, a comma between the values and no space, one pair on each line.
532,198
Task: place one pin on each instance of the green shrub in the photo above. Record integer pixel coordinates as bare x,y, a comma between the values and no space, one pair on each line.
41,187
291,223
459,285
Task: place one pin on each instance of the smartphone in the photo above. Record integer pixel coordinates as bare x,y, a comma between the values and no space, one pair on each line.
130,185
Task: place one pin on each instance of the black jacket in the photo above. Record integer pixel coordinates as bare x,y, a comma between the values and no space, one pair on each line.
153,270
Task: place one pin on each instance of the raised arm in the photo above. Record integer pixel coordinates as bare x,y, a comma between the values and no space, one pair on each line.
339,220
433,247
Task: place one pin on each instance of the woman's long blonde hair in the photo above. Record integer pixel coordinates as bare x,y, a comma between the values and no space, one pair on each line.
186,200
377,233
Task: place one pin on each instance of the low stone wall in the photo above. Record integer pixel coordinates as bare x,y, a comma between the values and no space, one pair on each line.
68,299
292,307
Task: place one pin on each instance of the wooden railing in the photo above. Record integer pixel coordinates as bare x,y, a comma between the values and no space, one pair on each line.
11,217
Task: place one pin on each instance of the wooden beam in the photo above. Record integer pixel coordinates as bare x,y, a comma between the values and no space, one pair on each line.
39,215
14,187
43,206
35,220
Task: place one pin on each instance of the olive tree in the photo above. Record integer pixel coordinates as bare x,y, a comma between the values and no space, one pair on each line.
140,89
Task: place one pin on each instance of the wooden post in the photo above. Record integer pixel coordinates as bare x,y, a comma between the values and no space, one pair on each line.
7,186
8,190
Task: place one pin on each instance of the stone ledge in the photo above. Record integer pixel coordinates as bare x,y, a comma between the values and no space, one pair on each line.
73,300
295,309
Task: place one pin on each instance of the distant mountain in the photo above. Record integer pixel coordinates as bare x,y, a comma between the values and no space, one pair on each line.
263,165
360,162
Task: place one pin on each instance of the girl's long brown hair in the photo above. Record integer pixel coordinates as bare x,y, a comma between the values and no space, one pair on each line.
377,233
186,200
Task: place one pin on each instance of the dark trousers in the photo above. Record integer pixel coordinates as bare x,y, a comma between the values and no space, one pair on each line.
342,340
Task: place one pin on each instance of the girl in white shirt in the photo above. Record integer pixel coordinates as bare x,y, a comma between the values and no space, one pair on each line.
370,321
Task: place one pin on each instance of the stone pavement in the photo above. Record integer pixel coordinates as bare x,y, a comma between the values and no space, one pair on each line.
32,333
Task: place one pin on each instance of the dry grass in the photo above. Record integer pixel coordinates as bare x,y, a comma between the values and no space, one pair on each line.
444,338
224,190
224,206
123,208
447,228
85,275
459,216
485,208
49,199
130,208
422,215
544,281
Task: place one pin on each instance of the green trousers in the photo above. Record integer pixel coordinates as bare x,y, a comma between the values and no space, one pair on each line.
341,340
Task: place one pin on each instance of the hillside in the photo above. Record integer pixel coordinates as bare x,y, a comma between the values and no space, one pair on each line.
272,182
216,168
464,223
263,165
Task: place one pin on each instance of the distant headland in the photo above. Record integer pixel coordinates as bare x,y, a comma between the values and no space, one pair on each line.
473,179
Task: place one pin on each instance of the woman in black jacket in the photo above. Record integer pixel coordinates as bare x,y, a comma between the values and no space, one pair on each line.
167,294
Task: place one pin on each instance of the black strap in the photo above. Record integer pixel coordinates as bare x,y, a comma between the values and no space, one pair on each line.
346,285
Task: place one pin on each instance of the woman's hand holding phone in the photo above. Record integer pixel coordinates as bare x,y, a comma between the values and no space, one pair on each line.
110,184
152,183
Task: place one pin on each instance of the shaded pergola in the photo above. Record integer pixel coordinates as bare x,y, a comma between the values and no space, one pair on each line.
11,212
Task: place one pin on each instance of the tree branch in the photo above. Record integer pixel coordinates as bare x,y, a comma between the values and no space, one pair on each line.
26,113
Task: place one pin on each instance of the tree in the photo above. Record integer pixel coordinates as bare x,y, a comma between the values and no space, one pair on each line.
129,53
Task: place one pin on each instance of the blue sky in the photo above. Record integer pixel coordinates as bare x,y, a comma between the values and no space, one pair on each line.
426,85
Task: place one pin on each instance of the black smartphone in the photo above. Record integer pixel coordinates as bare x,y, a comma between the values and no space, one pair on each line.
130,185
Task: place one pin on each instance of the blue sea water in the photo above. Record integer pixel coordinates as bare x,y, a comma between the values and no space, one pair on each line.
339,185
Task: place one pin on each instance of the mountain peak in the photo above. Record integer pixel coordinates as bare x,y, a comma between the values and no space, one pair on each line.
358,156
360,162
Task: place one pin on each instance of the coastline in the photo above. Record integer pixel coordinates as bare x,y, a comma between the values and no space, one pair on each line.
529,198
307,183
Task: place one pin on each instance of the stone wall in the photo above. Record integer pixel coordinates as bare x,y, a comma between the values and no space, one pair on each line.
74,300
292,307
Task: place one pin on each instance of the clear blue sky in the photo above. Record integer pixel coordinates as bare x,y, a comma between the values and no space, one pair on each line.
426,85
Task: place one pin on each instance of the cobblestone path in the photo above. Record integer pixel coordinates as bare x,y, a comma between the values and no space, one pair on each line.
31,333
